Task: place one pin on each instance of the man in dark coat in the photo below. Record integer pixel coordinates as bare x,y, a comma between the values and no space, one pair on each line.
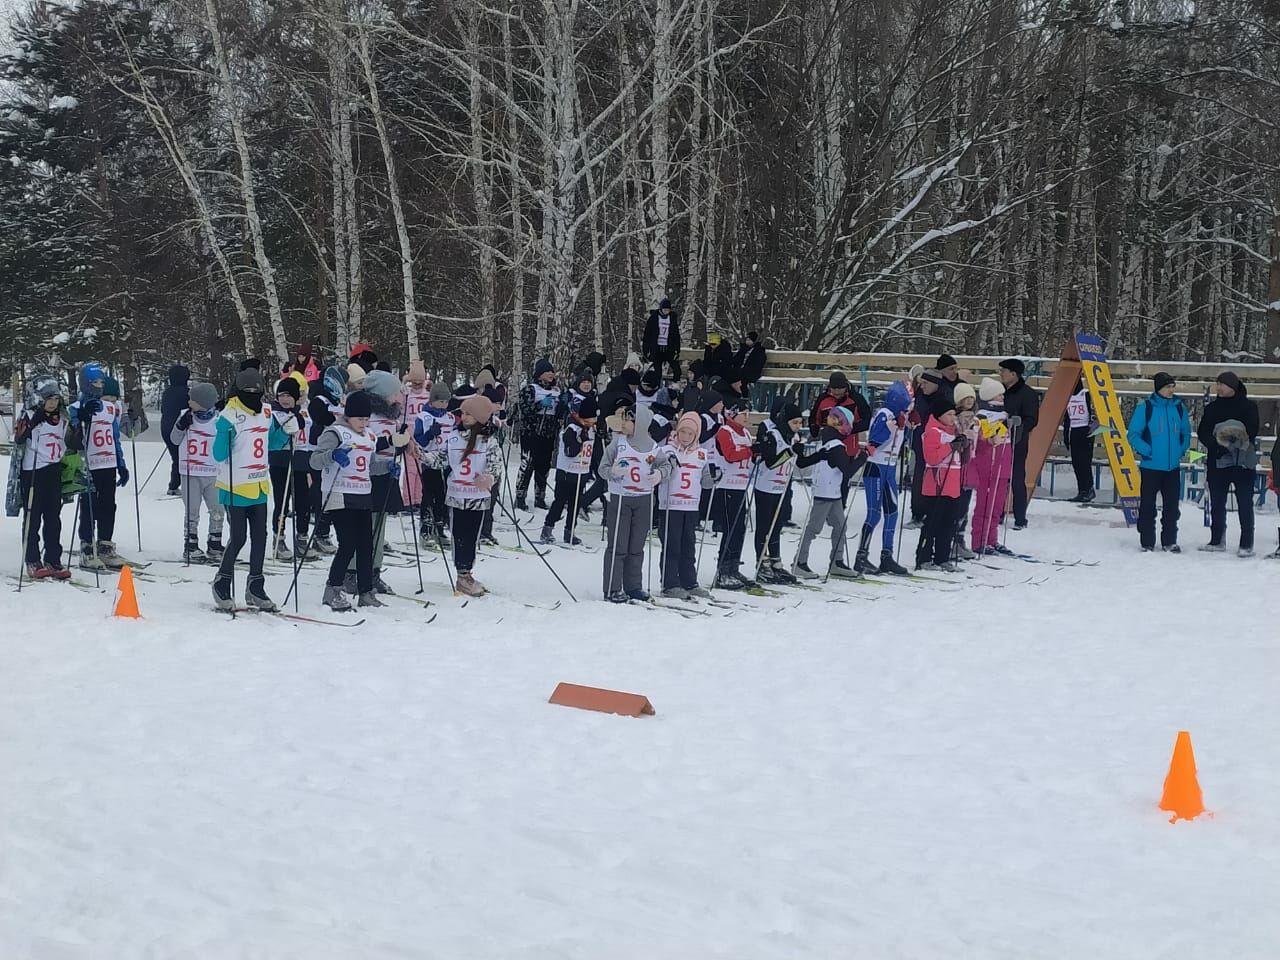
173,402
1022,401
717,357
1229,431
750,360
661,343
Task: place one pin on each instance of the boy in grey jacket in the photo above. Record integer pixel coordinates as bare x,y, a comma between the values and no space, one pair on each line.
629,468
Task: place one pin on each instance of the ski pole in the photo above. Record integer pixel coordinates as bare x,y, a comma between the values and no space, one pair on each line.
777,512
902,480
542,556
164,452
711,509
88,493
137,513
31,496
853,496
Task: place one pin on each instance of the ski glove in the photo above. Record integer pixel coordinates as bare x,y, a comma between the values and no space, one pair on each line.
342,456
184,421
88,409
400,439
393,469
124,476
291,427
716,472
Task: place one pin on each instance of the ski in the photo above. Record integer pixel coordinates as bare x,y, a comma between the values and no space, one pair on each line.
297,617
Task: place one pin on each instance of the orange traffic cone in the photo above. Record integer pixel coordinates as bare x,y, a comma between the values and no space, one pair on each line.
1181,788
126,599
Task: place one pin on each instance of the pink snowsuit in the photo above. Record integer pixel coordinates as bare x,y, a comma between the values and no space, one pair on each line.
991,469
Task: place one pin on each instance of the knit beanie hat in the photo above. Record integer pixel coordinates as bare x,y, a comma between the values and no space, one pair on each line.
838,381
355,377
845,417
440,394
382,384
916,370
932,376
111,387
300,379
944,361
205,394
485,379
588,408
963,391
651,379
290,386
417,372
1163,380
249,380
989,389
1231,380
359,404
479,407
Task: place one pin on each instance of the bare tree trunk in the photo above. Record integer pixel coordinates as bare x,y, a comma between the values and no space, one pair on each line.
247,191
517,217
660,145
393,194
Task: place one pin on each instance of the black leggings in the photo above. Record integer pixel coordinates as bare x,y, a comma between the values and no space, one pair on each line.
99,509
45,489
355,540
732,518
568,493
1081,445
465,525
247,523
769,524
302,496
432,505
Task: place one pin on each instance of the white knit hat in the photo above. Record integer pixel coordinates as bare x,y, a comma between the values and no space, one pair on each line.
963,392
990,389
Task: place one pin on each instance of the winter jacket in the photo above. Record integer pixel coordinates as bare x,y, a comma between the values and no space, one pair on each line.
322,456
1160,432
654,352
539,406
750,362
174,399
717,361
835,457
855,403
244,494
1021,400
1239,407
942,465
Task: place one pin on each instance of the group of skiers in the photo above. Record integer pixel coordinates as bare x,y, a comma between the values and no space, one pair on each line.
339,450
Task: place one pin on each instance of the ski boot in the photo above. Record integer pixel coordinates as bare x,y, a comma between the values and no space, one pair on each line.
891,566
89,560
839,570
728,580
522,504
960,551
488,540
336,600
1244,553
675,593
863,565
38,571
1213,548
380,585
639,595
255,596
547,536
214,550
1171,548
191,552
349,586
801,571
107,554
700,593
325,545
282,551
222,598
616,597
369,599
58,572
469,586
442,536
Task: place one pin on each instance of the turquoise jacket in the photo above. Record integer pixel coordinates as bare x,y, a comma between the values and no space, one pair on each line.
1160,432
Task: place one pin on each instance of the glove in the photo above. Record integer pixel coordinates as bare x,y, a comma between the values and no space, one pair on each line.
485,482
674,461
619,469
715,471
291,427
38,416
393,469
123,471
88,409
547,403
342,457
184,421
400,439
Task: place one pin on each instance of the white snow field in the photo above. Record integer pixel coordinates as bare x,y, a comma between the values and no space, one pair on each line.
924,771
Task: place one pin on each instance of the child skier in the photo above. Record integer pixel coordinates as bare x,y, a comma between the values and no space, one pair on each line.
731,460
944,443
678,495
43,435
832,467
193,434
539,406
573,464
240,449
885,438
632,470
474,462
98,421
431,431
966,401
777,446
323,409
345,457
992,468
417,394
287,425
389,428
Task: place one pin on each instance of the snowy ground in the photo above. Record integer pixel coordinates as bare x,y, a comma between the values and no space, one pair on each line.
928,771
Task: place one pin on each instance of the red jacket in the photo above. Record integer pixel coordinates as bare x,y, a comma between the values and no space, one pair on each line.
941,466
855,404
727,448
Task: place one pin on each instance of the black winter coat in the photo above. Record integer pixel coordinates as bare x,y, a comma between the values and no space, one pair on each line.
174,399
1239,407
717,361
1021,400
652,351
750,361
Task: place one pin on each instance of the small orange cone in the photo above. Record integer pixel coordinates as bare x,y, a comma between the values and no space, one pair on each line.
1181,788
126,599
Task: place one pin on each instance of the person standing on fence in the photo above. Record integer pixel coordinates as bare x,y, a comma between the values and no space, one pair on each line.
661,342
1160,434
1229,431
1022,404
173,404
1077,437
